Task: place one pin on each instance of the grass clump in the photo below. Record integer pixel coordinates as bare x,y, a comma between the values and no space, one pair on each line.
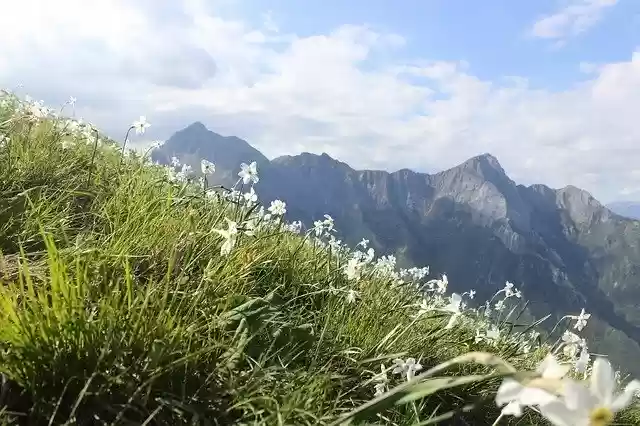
133,293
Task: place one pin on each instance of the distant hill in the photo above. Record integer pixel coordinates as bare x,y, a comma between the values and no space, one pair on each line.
564,249
630,209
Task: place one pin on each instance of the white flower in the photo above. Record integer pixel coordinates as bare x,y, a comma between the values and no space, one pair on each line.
493,333
352,269
517,396
249,173
175,161
595,405
141,125
571,343
454,307
352,295
499,306
408,367
382,380
423,308
472,294
72,101
229,235
278,208
581,320
251,196
363,243
207,167
508,292
582,363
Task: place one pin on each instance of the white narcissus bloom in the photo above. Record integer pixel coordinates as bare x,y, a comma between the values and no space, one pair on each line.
141,125
251,196
229,235
352,269
472,294
595,405
582,363
72,101
508,289
581,320
408,367
571,342
249,173
454,308
175,161
382,380
278,208
516,396
352,295
207,167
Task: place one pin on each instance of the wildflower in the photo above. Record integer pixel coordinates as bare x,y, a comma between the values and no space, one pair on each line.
382,380
141,125
499,306
424,308
516,396
175,162
493,333
250,197
571,343
508,292
582,363
581,320
352,269
472,294
278,208
454,307
595,405
207,167
229,235
352,295
408,367
249,173
517,294
72,101
363,243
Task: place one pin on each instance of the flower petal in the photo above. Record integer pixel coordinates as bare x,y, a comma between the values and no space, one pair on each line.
603,380
623,400
508,391
560,415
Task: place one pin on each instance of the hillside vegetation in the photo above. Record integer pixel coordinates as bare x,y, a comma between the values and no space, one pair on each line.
134,293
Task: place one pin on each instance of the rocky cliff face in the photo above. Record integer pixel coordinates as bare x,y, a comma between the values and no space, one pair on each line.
561,247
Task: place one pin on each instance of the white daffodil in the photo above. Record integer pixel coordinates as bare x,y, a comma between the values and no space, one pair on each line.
72,101
141,125
508,289
453,307
571,343
250,197
175,162
408,367
472,294
230,235
382,380
249,173
352,295
207,167
363,243
278,208
595,405
581,320
516,395
582,363
352,269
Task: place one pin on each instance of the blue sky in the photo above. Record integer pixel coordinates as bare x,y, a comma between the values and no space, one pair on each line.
549,87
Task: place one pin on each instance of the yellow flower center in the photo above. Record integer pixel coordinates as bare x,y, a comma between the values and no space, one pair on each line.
601,416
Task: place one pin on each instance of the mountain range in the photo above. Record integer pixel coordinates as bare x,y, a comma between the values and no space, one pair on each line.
561,247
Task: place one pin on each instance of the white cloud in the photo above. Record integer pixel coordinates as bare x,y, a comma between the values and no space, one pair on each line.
575,17
340,92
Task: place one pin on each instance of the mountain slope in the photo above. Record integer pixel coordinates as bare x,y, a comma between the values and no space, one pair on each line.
561,247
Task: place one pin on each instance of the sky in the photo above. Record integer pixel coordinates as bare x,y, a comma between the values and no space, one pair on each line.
549,87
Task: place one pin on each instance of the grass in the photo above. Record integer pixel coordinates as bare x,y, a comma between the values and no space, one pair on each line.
118,307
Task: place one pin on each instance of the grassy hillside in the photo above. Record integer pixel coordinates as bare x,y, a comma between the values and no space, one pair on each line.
134,294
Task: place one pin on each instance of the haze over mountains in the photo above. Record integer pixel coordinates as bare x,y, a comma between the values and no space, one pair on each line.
561,247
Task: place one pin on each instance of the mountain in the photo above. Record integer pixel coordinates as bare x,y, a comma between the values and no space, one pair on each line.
628,209
564,249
